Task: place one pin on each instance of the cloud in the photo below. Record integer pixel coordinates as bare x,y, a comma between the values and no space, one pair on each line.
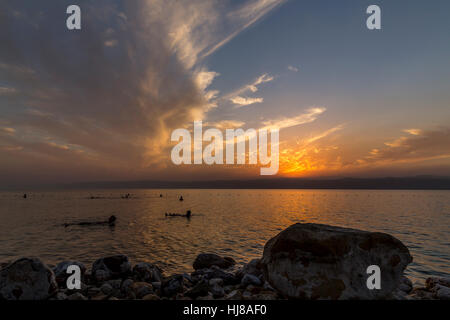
225,124
7,91
428,145
110,95
325,134
111,43
253,87
8,130
309,116
415,132
293,69
236,98
243,17
241,101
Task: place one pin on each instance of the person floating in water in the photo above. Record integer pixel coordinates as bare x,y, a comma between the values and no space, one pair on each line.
187,215
181,198
110,222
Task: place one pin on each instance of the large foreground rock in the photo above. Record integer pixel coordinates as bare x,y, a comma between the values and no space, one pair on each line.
27,279
314,261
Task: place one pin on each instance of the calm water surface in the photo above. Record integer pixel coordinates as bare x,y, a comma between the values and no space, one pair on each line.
236,223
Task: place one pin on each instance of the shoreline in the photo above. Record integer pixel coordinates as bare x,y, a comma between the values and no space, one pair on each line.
244,283
304,261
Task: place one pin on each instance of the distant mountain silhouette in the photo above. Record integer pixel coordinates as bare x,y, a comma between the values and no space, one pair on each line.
405,183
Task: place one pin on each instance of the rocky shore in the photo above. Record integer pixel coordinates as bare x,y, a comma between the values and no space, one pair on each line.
305,261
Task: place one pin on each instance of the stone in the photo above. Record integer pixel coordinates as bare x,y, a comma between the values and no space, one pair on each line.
265,295
247,295
147,272
216,281
126,286
228,288
112,267
314,261
405,285
61,274
208,296
216,289
150,297
76,296
141,289
431,282
234,295
216,272
253,289
156,285
27,279
253,268
115,284
248,279
106,288
442,293
172,285
200,289
439,287
61,296
100,296
188,277
267,286
207,260
92,291
101,276
421,294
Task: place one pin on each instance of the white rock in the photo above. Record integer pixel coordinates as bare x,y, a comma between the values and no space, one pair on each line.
314,261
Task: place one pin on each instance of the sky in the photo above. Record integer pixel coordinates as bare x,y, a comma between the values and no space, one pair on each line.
101,103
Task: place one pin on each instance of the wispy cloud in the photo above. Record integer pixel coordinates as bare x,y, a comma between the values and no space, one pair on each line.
325,134
8,130
7,91
241,101
111,43
244,17
293,69
286,122
225,124
414,132
428,145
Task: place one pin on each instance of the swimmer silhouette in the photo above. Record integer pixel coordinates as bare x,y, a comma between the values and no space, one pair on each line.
110,222
187,215
181,198
24,195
